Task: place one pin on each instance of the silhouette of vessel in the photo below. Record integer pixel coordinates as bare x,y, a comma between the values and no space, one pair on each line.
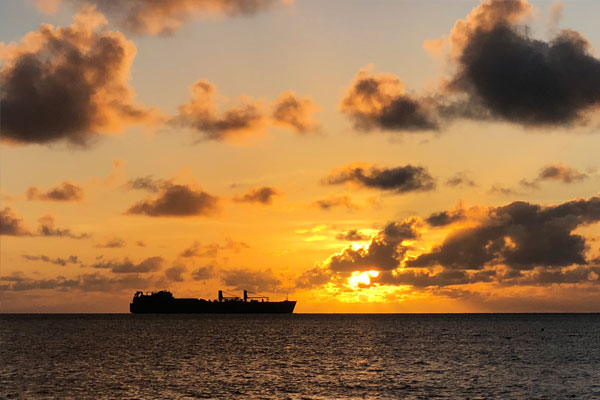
163,302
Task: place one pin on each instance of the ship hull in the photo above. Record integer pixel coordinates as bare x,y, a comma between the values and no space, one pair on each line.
196,306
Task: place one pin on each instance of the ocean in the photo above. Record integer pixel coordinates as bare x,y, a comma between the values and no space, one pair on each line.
300,356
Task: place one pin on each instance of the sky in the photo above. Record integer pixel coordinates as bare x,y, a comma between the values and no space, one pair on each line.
355,156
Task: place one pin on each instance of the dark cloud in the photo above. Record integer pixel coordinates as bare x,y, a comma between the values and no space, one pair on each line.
203,273
175,200
528,81
46,228
211,250
58,260
248,118
140,243
460,179
11,224
385,251
561,172
498,72
335,201
398,231
520,235
263,195
146,183
380,255
400,179
444,218
516,78
66,191
111,244
294,112
379,101
175,273
446,277
578,274
201,114
126,266
314,277
352,235
88,282
68,84
254,281
553,172
154,17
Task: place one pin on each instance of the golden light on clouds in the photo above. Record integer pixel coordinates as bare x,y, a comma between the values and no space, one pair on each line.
349,186
358,279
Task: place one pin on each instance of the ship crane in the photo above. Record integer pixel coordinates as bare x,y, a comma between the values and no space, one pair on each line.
228,297
257,296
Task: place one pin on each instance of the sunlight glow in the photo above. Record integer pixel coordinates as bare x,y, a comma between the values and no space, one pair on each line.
361,278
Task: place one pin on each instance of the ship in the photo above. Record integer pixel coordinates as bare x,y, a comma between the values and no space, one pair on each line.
163,302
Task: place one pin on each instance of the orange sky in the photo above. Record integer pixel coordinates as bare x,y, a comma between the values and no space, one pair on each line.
354,156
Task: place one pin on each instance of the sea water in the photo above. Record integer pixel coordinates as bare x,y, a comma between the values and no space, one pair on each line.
505,356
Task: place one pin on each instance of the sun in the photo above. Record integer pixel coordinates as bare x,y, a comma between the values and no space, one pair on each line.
361,278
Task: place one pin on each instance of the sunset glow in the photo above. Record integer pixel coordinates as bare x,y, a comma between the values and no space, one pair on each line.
356,156
358,279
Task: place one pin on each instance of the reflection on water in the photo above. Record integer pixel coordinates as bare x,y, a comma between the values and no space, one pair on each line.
299,356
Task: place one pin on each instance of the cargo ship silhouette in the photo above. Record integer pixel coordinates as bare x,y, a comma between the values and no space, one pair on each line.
163,302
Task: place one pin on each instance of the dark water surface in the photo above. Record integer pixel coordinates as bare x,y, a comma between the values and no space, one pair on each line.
300,356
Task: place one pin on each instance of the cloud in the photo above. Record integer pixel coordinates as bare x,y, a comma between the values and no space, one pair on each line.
294,112
552,172
163,17
352,235
562,173
58,260
423,279
379,101
249,118
88,282
335,201
175,273
146,183
519,235
556,12
524,80
126,266
503,190
176,200
497,72
115,243
444,218
399,179
201,114
203,273
211,250
385,251
68,84
11,224
314,277
46,228
460,179
263,195
66,191
254,281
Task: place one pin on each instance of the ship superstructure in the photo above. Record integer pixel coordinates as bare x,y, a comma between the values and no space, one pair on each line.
163,302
